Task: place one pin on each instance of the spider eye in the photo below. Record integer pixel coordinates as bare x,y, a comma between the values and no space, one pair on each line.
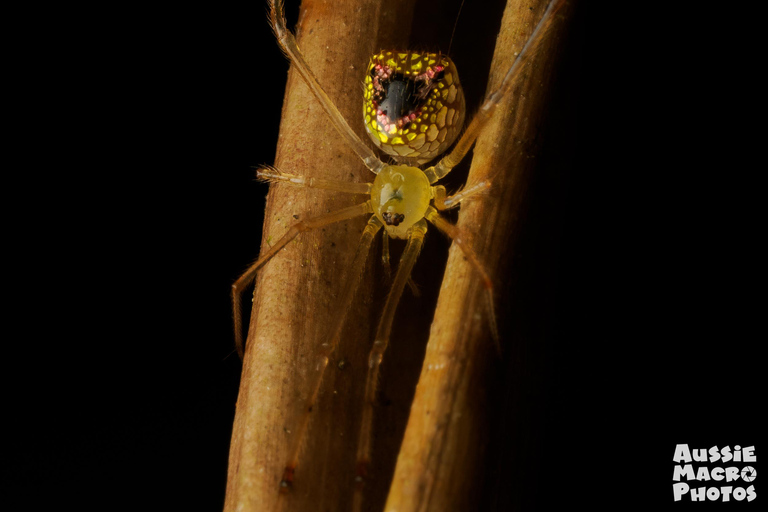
393,219
414,104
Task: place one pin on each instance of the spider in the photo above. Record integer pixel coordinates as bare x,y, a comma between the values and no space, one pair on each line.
423,90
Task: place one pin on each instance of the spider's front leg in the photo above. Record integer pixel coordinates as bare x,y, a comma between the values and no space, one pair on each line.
445,202
408,259
456,234
303,225
353,275
274,175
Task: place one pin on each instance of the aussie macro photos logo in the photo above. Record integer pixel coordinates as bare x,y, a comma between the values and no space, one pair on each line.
714,474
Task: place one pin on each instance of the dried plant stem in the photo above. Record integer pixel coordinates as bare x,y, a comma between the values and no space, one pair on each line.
287,327
441,464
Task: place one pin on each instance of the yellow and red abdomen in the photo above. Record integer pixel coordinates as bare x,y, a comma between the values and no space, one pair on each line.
414,104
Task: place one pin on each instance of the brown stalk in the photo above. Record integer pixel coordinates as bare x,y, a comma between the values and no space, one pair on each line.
297,290
443,461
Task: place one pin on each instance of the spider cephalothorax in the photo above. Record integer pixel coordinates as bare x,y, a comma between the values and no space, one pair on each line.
414,104
400,196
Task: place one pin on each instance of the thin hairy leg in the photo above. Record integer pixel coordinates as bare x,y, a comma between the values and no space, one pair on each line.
388,268
289,46
303,225
445,202
326,349
411,252
485,113
271,174
385,255
456,234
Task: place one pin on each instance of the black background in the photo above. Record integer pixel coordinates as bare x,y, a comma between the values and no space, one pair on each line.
121,379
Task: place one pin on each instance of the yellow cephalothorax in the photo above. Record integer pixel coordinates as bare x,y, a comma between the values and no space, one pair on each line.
400,197
414,104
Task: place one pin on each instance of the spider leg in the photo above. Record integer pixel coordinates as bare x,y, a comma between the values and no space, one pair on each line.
445,202
303,225
271,174
408,259
287,42
456,234
385,255
493,99
326,349
388,268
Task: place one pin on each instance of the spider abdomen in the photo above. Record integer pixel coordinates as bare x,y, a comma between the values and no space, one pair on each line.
414,104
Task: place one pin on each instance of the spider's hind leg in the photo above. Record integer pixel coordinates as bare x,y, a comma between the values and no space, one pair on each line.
271,174
287,42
